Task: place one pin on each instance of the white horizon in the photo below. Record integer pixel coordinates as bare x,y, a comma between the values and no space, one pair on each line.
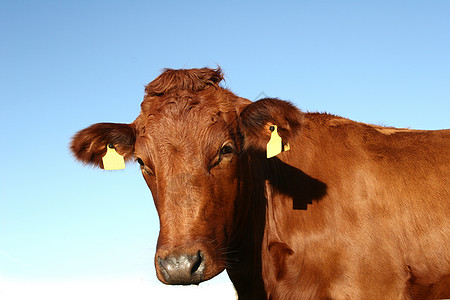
111,289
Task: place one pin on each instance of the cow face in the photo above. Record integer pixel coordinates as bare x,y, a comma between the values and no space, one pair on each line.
188,140
188,149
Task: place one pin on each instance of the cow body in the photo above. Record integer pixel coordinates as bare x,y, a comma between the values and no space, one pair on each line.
352,211
380,224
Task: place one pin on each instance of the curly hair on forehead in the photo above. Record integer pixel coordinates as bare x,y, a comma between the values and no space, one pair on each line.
192,80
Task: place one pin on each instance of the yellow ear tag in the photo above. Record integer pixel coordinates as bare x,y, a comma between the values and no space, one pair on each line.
275,145
113,160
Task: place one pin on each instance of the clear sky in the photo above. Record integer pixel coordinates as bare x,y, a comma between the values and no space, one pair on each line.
67,64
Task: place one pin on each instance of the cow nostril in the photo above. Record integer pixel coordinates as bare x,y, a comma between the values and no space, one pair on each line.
197,262
182,269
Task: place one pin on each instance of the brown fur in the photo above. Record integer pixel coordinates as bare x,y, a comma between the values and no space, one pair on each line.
176,80
89,144
352,211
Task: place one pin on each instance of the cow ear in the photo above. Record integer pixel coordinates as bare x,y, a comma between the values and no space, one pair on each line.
258,118
90,144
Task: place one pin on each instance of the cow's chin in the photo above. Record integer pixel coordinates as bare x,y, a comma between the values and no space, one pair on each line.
187,265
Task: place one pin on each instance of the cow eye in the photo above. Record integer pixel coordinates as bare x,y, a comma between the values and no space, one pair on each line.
227,149
140,162
224,152
144,168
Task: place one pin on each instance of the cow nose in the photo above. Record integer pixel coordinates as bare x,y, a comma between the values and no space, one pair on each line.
182,269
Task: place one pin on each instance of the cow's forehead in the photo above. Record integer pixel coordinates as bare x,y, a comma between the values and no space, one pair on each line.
191,122
196,111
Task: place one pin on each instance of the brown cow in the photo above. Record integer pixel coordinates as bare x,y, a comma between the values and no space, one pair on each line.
351,211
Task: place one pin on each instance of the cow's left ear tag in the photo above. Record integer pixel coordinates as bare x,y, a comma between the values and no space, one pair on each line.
113,160
275,144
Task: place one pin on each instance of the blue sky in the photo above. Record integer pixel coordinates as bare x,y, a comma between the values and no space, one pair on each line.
68,64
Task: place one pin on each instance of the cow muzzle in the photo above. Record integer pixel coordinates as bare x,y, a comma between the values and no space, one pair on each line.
182,269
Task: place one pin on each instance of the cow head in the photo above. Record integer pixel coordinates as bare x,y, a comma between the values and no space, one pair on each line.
190,140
